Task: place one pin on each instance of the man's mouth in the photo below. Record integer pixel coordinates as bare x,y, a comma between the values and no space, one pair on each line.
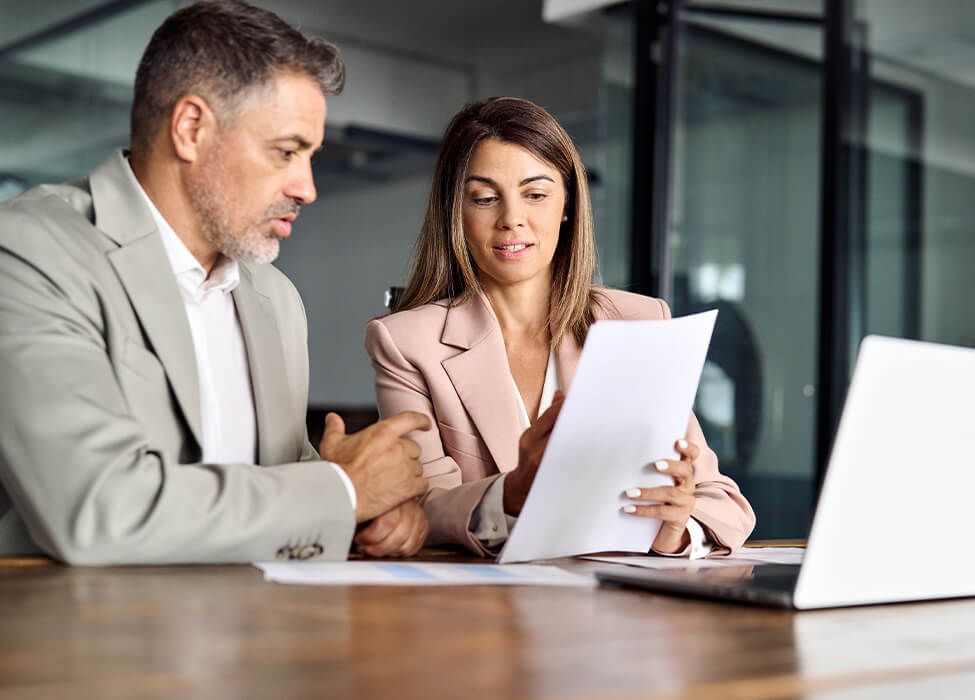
281,218
282,225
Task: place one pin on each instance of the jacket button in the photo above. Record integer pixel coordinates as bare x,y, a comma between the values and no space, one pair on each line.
309,551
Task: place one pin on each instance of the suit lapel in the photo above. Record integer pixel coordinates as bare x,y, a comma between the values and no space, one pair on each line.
264,358
482,378
141,264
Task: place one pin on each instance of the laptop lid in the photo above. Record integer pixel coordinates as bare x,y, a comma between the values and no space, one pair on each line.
898,502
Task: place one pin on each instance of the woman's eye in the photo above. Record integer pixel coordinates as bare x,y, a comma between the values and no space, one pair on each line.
537,196
483,200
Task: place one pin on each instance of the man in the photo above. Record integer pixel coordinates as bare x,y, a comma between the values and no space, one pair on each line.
150,360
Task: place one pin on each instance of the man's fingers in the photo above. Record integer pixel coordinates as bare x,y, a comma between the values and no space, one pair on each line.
402,540
406,422
411,448
418,486
334,430
334,423
415,543
379,529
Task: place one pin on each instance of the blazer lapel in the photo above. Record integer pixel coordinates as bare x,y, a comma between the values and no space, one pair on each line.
482,378
141,264
265,355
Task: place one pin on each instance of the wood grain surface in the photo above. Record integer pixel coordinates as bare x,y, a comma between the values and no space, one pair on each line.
223,632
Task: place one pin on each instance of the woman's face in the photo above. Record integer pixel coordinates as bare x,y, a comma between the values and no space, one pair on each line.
512,209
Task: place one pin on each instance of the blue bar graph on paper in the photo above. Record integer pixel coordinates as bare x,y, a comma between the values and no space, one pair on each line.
405,572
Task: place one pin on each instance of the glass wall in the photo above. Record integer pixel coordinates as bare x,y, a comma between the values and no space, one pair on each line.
745,224
744,238
918,235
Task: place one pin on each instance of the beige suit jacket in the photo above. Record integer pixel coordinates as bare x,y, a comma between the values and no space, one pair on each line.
449,362
100,424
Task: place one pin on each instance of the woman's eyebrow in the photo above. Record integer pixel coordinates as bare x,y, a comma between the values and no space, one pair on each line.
533,178
489,181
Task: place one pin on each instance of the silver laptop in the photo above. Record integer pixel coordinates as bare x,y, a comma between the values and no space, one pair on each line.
898,502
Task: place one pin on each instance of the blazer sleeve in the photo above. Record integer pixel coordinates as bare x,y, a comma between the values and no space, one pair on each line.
90,486
449,503
719,504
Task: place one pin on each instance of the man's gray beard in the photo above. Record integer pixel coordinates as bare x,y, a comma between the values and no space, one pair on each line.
212,208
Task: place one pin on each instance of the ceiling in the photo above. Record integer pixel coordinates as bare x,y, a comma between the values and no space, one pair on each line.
66,65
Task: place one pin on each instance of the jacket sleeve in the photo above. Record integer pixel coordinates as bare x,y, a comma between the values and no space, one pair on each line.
89,484
400,386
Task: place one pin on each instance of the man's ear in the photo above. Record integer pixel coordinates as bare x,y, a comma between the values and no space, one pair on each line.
192,124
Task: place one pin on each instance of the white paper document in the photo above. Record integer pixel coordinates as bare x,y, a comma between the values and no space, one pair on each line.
743,557
629,403
384,573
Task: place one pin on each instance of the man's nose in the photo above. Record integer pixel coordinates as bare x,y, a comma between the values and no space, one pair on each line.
301,187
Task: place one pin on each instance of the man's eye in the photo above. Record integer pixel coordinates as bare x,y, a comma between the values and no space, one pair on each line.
286,154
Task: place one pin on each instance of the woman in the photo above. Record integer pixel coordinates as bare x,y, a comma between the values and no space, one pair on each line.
491,325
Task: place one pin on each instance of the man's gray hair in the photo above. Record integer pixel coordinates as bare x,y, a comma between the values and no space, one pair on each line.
222,50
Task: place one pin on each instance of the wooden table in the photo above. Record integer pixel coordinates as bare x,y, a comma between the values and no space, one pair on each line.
222,631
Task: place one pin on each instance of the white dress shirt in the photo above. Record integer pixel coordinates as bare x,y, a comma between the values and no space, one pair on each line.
491,524
226,392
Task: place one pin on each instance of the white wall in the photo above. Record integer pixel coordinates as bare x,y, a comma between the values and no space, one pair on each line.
346,249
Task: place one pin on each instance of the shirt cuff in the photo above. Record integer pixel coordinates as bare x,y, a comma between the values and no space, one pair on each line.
699,546
489,523
347,481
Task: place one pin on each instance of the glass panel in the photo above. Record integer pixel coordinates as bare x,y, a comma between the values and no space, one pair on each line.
919,248
65,99
744,238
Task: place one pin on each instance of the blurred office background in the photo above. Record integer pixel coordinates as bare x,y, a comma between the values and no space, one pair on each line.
805,166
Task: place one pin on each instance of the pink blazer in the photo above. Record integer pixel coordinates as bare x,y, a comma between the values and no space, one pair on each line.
449,362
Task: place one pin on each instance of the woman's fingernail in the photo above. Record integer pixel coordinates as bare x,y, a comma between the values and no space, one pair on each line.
633,493
661,465
682,444
629,509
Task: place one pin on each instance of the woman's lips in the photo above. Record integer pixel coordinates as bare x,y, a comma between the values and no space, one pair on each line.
513,250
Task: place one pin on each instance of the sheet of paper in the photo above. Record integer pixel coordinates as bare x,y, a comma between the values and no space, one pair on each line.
629,402
743,557
389,573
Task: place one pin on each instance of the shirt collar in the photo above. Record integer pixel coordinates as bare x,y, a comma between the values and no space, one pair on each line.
192,278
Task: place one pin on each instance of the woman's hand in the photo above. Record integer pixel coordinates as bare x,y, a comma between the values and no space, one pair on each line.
531,447
673,504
